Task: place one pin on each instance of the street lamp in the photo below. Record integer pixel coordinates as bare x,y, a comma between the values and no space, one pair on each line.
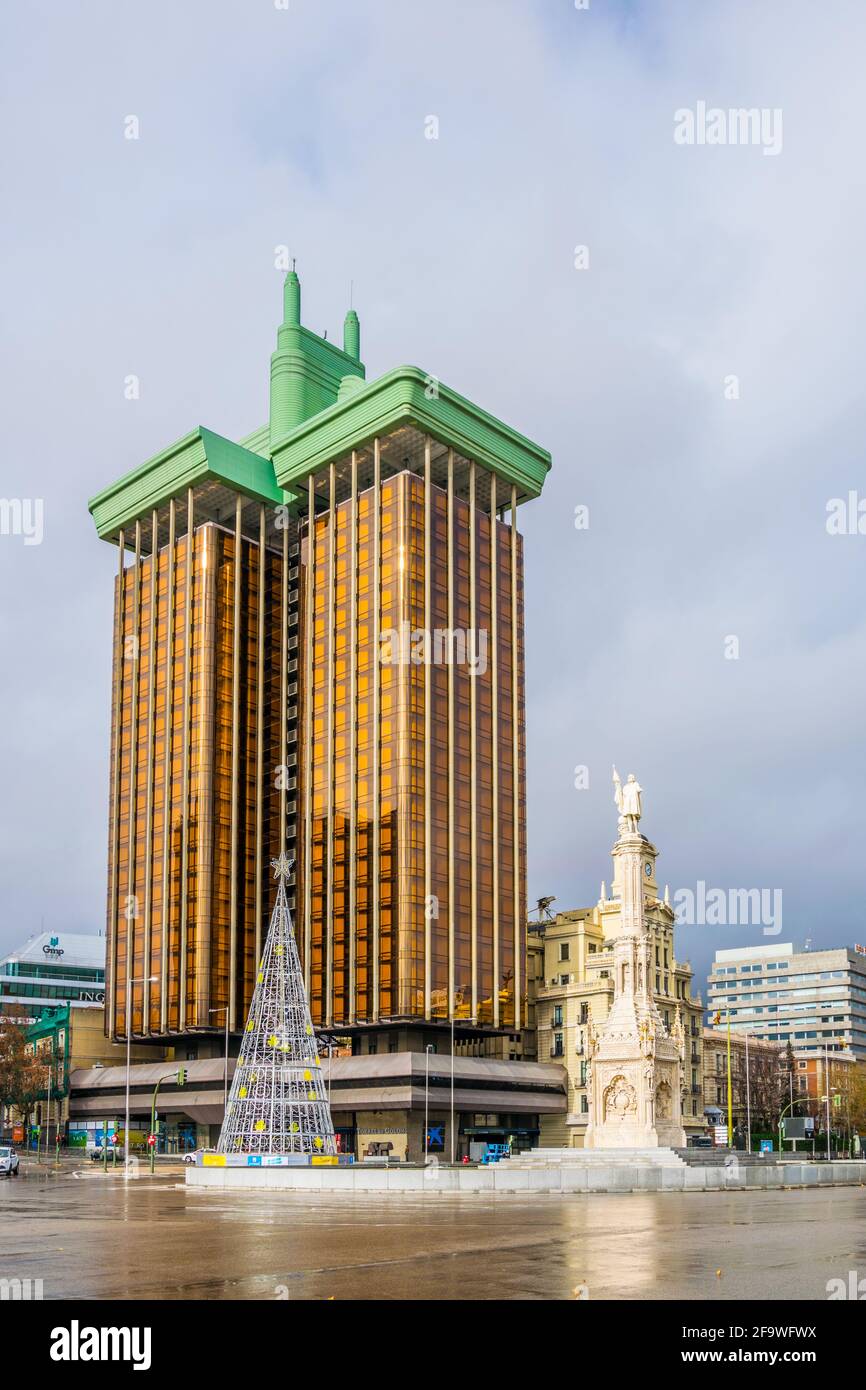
427,1050
224,1008
145,980
748,1101
453,1135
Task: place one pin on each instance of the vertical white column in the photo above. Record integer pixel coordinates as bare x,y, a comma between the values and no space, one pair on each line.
235,767
428,856
515,740
473,752
377,678
260,727
353,738
185,771
328,1010
494,737
131,900
115,922
450,582
148,814
309,697
167,770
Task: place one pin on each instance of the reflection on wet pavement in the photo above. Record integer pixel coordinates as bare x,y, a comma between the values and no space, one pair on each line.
91,1235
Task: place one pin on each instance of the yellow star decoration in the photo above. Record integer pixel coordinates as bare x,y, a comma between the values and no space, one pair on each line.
272,1040
260,1124
242,1092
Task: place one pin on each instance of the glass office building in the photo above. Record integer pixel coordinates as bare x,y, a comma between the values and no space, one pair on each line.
50,970
814,1000
318,648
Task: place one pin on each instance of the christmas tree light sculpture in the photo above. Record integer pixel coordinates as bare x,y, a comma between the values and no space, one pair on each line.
278,1102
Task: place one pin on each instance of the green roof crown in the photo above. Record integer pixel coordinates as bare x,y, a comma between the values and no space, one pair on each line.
306,370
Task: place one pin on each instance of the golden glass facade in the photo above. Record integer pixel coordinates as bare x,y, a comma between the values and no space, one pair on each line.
410,900
352,694
196,737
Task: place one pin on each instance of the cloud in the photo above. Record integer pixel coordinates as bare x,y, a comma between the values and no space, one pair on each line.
261,126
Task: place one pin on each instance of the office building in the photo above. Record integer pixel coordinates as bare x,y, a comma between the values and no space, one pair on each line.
50,969
318,649
812,999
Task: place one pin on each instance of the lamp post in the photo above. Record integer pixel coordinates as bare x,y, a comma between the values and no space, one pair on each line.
748,1102
224,1008
427,1050
145,980
827,1096
453,1135
452,1084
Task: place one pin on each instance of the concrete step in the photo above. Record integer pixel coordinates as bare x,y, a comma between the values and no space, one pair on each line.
636,1158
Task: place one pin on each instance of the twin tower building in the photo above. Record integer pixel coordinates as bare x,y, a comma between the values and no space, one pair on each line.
318,651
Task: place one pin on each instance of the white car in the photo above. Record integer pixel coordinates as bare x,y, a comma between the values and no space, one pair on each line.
8,1161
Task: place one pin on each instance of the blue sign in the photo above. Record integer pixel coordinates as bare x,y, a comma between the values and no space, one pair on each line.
436,1137
766,1146
254,1160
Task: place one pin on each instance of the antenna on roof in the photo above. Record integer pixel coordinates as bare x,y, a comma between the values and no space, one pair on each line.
542,907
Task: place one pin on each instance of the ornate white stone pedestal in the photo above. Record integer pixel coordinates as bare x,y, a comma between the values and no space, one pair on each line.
635,1078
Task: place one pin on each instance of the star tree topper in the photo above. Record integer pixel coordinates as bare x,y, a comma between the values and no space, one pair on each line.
283,866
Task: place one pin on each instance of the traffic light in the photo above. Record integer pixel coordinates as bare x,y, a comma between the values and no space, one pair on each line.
717,1018
181,1076
151,1140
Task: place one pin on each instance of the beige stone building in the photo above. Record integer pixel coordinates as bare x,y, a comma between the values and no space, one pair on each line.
766,1062
570,984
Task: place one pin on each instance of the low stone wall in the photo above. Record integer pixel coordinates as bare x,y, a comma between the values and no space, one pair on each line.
506,1178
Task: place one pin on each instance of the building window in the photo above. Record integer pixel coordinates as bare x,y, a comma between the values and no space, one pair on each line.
583,1073
557,1049
584,1105
564,950
584,1013
557,1015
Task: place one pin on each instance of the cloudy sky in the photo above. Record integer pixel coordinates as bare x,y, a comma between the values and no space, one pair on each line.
699,382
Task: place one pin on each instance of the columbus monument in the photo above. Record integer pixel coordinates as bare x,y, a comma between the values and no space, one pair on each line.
635,1063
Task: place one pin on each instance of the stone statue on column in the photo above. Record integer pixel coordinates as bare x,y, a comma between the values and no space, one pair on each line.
628,801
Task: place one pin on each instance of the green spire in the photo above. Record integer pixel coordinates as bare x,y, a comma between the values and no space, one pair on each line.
352,335
306,370
292,297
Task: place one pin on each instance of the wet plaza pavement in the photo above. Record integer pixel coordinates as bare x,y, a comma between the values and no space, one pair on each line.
92,1235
